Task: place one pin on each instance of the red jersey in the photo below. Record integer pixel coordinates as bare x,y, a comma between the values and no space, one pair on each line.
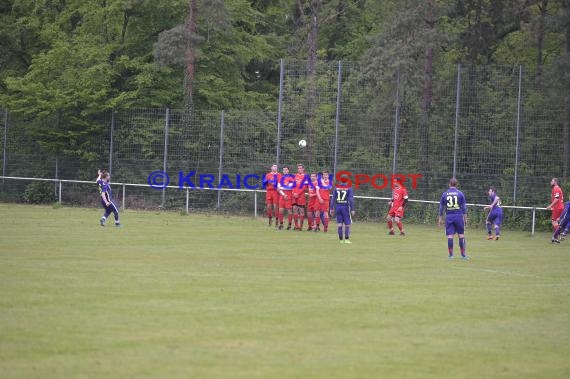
398,196
313,190
557,194
301,184
325,192
287,182
271,180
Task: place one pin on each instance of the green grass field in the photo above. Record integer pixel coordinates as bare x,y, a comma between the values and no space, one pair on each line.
171,296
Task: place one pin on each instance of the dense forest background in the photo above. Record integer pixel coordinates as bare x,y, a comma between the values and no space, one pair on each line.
71,68
101,54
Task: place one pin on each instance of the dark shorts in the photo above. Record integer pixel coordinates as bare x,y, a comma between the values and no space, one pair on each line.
343,215
454,224
495,217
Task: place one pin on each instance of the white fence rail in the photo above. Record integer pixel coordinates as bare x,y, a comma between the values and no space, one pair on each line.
60,182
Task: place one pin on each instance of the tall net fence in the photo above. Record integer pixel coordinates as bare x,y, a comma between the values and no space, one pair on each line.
487,126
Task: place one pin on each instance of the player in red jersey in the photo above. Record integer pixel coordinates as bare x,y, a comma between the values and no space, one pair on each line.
284,188
299,200
323,197
397,204
313,205
271,180
556,202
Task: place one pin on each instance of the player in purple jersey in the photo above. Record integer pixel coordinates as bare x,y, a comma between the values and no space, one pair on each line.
495,216
563,225
342,203
106,197
455,207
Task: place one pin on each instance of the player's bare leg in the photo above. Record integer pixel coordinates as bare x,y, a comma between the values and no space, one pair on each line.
326,221
269,207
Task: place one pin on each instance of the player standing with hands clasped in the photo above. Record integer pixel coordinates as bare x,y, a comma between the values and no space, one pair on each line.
343,204
455,207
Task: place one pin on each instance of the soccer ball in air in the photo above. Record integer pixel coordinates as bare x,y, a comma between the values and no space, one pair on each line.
302,143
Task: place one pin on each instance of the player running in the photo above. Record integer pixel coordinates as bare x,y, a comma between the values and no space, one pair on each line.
270,182
106,197
397,204
284,188
455,207
556,202
343,204
563,225
495,216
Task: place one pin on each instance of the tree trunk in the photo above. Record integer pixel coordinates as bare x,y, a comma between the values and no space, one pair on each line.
191,30
540,33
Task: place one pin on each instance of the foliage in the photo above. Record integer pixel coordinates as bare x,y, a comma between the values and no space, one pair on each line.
39,193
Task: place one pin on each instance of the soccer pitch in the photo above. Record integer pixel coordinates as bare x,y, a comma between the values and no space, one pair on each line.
200,296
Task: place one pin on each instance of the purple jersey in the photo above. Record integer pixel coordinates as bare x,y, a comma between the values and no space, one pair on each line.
455,207
342,202
496,213
343,197
492,199
452,202
105,189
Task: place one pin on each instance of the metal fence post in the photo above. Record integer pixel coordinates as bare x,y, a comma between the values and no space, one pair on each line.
255,204
517,137
280,109
533,221
221,156
5,143
57,176
123,200
396,121
187,198
165,159
337,116
457,99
